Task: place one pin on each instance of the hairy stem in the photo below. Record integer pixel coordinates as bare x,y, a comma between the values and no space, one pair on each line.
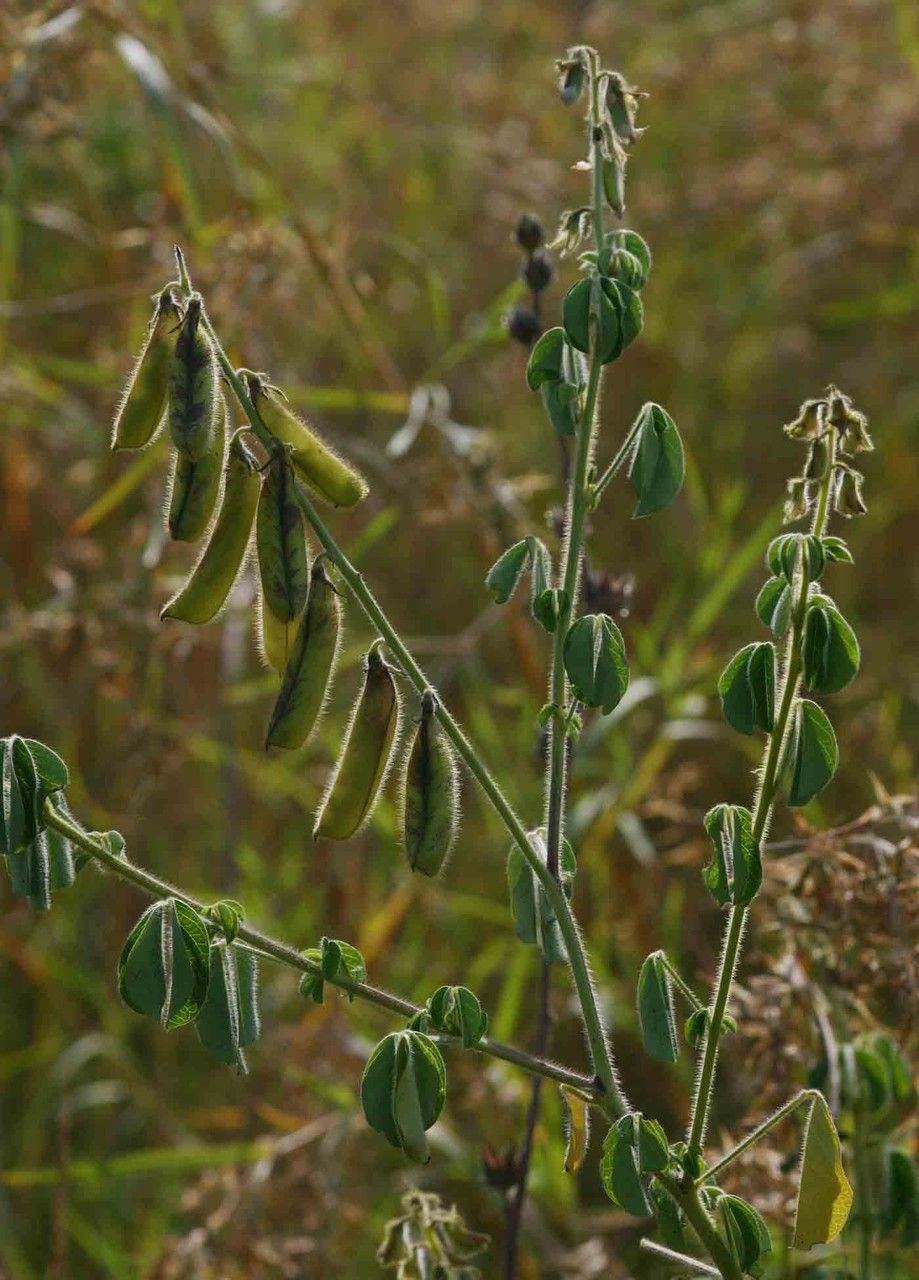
580,970
697,1217
556,777
806,1095
289,956
761,815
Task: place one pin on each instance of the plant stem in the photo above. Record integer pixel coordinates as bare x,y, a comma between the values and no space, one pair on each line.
761,815
681,1260
760,1131
688,1200
622,453
580,970
863,1194
574,547
684,988
284,954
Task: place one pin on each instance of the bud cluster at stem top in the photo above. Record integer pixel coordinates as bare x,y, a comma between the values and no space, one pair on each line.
835,433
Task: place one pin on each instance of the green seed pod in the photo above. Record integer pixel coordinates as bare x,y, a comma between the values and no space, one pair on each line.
319,465
430,794
280,540
212,578
274,639
194,486
192,386
309,670
143,403
365,755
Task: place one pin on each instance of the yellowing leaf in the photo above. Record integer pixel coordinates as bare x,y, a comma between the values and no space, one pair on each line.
578,1128
824,1196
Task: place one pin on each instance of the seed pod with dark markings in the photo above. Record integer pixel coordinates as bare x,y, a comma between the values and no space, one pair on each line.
192,385
365,756
143,404
429,794
194,485
318,464
309,670
280,540
213,576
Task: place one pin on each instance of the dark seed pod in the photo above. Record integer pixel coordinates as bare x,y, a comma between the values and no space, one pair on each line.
193,488
523,325
193,385
529,233
212,578
143,403
430,794
280,540
365,755
537,270
309,670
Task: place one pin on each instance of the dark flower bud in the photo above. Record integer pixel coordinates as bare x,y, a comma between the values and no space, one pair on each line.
523,325
797,503
571,77
529,233
817,458
848,500
537,270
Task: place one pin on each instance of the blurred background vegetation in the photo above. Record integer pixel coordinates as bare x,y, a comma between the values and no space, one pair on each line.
345,178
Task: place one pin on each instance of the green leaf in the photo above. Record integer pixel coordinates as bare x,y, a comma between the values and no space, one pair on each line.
824,1196
829,648
164,965
658,465
504,575
576,313
312,986
403,1090
900,1195
735,871
655,1009
747,1234
837,549
547,607
696,1026
747,689
653,1148
595,661
619,1170
13,826
141,975
547,359
49,766
229,1017
813,754
633,243
456,1011
560,401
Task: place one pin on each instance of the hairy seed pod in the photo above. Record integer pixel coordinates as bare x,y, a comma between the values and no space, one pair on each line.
213,576
192,385
274,639
280,540
143,404
365,755
318,464
193,487
429,794
309,670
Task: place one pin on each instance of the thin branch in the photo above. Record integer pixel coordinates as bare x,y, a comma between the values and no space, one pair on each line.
284,954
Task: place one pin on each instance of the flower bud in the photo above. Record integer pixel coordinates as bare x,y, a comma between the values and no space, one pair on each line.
529,233
817,458
571,77
622,105
810,423
797,503
523,325
537,270
573,226
848,500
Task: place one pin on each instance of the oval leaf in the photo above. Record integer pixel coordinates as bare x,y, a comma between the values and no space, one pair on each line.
655,1010
814,753
824,1196
595,661
658,464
